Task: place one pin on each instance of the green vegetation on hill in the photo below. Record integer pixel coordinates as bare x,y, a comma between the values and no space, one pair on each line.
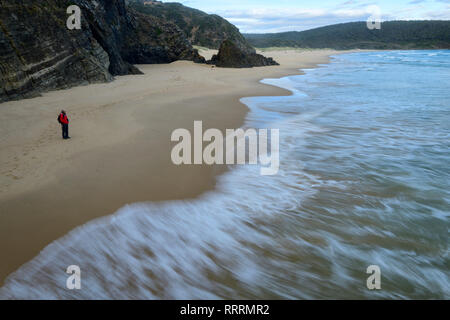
202,29
431,34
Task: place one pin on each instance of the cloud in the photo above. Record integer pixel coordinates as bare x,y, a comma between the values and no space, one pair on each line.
419,11
279,20
267,20
416,1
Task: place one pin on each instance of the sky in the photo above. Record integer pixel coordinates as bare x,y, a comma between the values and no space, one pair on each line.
263,16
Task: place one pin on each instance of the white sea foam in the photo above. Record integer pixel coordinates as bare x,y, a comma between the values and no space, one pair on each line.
308,232
167,250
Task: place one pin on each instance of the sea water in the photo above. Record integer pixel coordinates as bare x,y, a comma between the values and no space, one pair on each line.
364,180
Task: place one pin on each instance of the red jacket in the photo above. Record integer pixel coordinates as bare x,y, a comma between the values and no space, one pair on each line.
63,118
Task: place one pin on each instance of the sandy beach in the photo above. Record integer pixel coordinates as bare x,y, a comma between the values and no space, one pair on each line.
120,147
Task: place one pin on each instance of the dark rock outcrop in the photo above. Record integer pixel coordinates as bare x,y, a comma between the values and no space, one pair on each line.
231,55
157,41
39,53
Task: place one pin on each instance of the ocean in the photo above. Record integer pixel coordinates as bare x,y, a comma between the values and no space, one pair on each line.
363,180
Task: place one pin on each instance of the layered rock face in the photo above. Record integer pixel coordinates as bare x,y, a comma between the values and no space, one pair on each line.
38,52
231,55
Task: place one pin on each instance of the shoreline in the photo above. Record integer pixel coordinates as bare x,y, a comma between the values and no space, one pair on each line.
120,151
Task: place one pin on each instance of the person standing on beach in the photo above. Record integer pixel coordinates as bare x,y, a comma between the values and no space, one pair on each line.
64,121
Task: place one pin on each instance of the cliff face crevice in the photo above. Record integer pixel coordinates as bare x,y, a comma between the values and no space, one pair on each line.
157,41
38,52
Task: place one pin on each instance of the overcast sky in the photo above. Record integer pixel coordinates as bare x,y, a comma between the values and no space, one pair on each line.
261,16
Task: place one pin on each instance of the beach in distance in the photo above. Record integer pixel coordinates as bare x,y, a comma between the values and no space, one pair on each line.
120,147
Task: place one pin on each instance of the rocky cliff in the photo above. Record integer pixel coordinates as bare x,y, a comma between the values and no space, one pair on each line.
231,55
201,29
38,52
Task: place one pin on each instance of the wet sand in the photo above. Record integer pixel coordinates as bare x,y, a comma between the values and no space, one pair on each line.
120,147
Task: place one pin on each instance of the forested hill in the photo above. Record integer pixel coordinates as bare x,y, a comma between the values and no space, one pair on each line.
202,29
432,34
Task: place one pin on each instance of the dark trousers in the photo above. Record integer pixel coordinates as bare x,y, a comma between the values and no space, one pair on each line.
65,130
